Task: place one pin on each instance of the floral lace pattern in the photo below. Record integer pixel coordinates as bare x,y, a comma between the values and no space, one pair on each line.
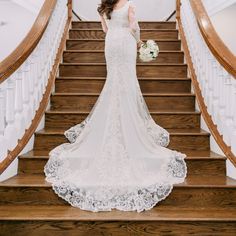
117,157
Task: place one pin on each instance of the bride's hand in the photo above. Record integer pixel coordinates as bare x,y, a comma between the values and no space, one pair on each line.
140,43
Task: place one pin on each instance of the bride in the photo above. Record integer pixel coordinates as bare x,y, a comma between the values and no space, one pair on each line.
117,157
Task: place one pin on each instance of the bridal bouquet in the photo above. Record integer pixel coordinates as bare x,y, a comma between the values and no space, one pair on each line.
148,51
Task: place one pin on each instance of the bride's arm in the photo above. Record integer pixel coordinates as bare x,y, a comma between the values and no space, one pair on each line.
104,24
133,24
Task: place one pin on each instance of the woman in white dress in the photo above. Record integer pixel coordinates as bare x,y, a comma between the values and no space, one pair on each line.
117,157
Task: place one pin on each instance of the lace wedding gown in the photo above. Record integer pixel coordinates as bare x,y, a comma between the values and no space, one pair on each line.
116,158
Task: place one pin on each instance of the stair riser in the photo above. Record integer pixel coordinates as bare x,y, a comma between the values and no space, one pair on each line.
145,34
168,121
143,25
180,197
100,44
118,228
154,103
147,86
94,57
161,71
178,142
195,167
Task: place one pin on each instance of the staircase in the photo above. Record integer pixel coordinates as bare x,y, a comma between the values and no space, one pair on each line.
203,205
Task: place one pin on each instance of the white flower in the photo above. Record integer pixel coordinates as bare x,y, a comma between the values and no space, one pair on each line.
149,51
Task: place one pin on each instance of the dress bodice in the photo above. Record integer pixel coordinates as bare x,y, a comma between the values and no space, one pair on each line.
119,17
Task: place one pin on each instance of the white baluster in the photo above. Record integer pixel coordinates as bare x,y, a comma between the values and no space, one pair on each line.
11,131
233,134
19,118
228,115
3,140
27,112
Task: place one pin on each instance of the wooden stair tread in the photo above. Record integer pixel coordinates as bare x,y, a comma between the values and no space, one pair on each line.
144,94
99,29
92,39
138,64
104,78
142,21
171,131
58,213
152,112
194,155
190,154
102,51
192,181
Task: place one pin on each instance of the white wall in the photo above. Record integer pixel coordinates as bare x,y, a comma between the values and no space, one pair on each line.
224,23
16,23
146,10
32,5
214,6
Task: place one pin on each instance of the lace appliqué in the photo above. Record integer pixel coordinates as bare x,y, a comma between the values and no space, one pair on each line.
107,198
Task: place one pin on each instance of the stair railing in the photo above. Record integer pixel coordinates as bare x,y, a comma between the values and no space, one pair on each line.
212,67
27,77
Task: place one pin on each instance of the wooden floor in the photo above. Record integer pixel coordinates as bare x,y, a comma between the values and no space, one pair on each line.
205,204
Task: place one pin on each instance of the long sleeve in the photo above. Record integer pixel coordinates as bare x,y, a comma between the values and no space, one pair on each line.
133,23
104,24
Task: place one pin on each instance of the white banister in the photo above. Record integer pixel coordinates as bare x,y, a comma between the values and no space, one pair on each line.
22,92
218,87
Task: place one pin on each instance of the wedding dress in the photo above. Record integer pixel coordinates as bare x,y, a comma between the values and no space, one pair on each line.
117,157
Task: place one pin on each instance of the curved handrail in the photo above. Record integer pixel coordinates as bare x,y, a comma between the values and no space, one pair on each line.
218,48
199,95
20,56
9,65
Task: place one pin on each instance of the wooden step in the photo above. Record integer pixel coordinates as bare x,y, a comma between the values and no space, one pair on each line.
168,120
180,140
212,164
196,191
148,85
142,24
143,70
155,101
154,34
99,44
74,56
66,220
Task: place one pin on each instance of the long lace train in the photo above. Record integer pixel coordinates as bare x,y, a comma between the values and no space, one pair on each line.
117,157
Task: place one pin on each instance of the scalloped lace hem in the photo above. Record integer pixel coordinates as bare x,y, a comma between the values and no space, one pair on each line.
106,198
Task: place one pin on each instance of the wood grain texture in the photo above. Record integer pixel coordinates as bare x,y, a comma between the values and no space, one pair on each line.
143,70
207,117
9,65
155,101
145,34
180,140
99,44
69,213
211,166
196,191
148,85
171,120
142,24
72,56
117,228
218,48
65,220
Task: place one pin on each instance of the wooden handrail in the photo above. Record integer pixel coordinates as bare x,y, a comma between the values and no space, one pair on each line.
200,99
9,65
218,48
40,24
